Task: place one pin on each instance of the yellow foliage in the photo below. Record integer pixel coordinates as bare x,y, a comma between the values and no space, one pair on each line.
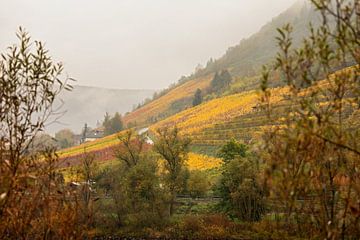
159,105
206,115
98,144
202,162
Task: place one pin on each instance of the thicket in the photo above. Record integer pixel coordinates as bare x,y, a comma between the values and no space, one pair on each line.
34,202
314,157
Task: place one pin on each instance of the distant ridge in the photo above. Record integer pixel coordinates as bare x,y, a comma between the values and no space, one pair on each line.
85,104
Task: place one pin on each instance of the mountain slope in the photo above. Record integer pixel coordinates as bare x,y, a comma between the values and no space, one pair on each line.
244,62
251,53
166,105
216,121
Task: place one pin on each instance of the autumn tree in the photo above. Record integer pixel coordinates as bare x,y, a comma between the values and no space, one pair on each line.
131,148
32,197
314,154
173,148
88,170
135,185
198,184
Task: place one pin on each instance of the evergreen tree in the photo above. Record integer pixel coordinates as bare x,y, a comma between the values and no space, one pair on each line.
106,124
112,124
225,78
116,123
197,98
221,81
215,83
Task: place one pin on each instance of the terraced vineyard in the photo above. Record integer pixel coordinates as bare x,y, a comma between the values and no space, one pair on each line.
213,123
106,142
209,125
157,107
206,115
244,127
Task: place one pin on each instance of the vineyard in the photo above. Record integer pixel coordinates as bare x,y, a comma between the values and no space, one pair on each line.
100,144
157,107
213,123
209,125
106,158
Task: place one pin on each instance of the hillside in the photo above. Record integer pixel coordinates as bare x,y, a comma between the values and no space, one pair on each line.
233,115
244,62
89,105
212,123
204,123
174,101
250,54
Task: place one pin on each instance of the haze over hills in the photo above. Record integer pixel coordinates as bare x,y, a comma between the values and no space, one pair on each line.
232,107
244,62
89,104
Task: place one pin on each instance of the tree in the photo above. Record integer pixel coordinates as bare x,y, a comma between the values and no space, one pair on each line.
135,185
232,150
198,184
226,78
116,123
145,197
173,149
88,172
30,82
107,124
130,149
315,153
242,195
197,98
65,138
112,124
221,81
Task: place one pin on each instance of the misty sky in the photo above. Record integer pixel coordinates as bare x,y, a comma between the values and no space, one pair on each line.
135,44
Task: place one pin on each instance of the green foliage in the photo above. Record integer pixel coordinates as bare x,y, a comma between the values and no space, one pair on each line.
232,150
65,138
173,149
221,81
112,124
242,196
137,199
198,184
197,98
